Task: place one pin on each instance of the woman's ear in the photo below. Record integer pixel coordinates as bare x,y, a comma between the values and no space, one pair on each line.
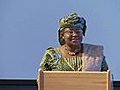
61,38
62,34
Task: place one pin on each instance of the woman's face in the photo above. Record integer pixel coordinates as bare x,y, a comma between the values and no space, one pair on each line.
72,36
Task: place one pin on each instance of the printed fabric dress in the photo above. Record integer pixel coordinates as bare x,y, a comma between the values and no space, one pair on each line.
92,60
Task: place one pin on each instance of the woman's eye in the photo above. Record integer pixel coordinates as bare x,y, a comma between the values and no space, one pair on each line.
79,32
71,32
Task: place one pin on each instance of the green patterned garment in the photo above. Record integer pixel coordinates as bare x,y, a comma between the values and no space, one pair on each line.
52,61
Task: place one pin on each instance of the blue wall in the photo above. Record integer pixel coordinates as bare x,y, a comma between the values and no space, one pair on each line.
28,27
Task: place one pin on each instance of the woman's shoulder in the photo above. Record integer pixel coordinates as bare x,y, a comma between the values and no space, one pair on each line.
93,49
52,50
93,46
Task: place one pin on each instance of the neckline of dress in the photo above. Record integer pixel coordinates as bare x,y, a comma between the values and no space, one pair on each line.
60,53
78,51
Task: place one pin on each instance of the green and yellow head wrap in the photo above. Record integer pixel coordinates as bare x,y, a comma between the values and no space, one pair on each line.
72,20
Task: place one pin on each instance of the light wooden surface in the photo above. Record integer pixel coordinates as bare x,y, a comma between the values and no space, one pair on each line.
74,80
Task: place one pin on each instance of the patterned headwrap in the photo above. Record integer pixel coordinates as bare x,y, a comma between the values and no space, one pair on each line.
72,20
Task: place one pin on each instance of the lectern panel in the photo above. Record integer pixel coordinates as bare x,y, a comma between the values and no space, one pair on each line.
74,80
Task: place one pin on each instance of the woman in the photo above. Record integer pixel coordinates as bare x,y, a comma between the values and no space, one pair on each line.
73,55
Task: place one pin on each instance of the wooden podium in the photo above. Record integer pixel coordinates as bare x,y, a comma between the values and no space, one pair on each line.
74,80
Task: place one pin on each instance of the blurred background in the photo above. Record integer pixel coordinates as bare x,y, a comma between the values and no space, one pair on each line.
28,27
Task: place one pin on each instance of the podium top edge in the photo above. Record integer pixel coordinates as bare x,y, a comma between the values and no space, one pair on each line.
75,72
